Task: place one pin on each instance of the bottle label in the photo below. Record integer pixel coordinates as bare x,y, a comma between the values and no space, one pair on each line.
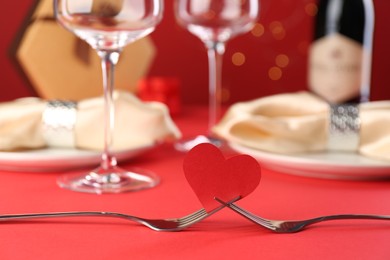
335,68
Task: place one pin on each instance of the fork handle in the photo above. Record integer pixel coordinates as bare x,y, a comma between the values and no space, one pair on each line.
291,226
294,226
9,217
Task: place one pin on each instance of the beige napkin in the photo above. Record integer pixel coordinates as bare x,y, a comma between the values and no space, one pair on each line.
298,122
137,124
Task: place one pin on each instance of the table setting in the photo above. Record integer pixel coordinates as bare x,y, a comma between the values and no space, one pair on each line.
293,138
284,176
35,131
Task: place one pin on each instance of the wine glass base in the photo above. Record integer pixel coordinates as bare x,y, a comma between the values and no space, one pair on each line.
114,180
188,144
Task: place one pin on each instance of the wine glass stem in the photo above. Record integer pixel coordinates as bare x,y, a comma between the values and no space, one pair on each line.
108,60
215,51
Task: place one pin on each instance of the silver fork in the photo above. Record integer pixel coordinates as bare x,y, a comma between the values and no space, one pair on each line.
174,224
292,226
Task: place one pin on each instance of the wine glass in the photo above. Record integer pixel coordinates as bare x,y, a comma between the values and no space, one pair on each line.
108,26
214,22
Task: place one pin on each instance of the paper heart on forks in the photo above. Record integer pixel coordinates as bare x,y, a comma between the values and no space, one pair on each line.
210,175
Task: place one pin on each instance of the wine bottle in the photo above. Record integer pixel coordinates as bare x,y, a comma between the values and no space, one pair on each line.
340,55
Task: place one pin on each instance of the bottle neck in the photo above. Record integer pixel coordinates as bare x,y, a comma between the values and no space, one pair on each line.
333,13
347,17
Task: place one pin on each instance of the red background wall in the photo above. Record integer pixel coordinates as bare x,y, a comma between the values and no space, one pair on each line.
287,32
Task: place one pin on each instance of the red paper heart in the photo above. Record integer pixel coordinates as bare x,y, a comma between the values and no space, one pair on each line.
211,175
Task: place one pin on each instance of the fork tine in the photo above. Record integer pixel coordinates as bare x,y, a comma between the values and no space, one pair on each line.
196,215
193,218
252,217
201,214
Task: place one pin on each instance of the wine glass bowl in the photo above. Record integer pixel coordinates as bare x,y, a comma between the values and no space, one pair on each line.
108,26
214,22
220,21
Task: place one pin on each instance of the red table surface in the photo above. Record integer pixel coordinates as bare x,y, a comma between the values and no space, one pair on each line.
222,236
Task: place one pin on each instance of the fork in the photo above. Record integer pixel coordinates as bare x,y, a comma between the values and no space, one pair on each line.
292,226
173,224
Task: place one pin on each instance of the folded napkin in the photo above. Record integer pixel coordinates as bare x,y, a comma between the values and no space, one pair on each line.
299,122
137,124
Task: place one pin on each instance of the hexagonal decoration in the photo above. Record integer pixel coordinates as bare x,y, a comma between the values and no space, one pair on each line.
61,66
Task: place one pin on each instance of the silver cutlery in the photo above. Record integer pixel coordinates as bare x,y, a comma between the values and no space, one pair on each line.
292,226
174,224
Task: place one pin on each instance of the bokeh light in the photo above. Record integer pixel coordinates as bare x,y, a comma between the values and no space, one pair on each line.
275,73
238,58
257,30
282,60
311,9
277,30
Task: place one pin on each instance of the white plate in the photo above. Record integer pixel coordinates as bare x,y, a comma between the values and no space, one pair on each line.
58,159
330,165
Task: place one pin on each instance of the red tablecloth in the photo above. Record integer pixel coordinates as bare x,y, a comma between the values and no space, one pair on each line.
222,236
